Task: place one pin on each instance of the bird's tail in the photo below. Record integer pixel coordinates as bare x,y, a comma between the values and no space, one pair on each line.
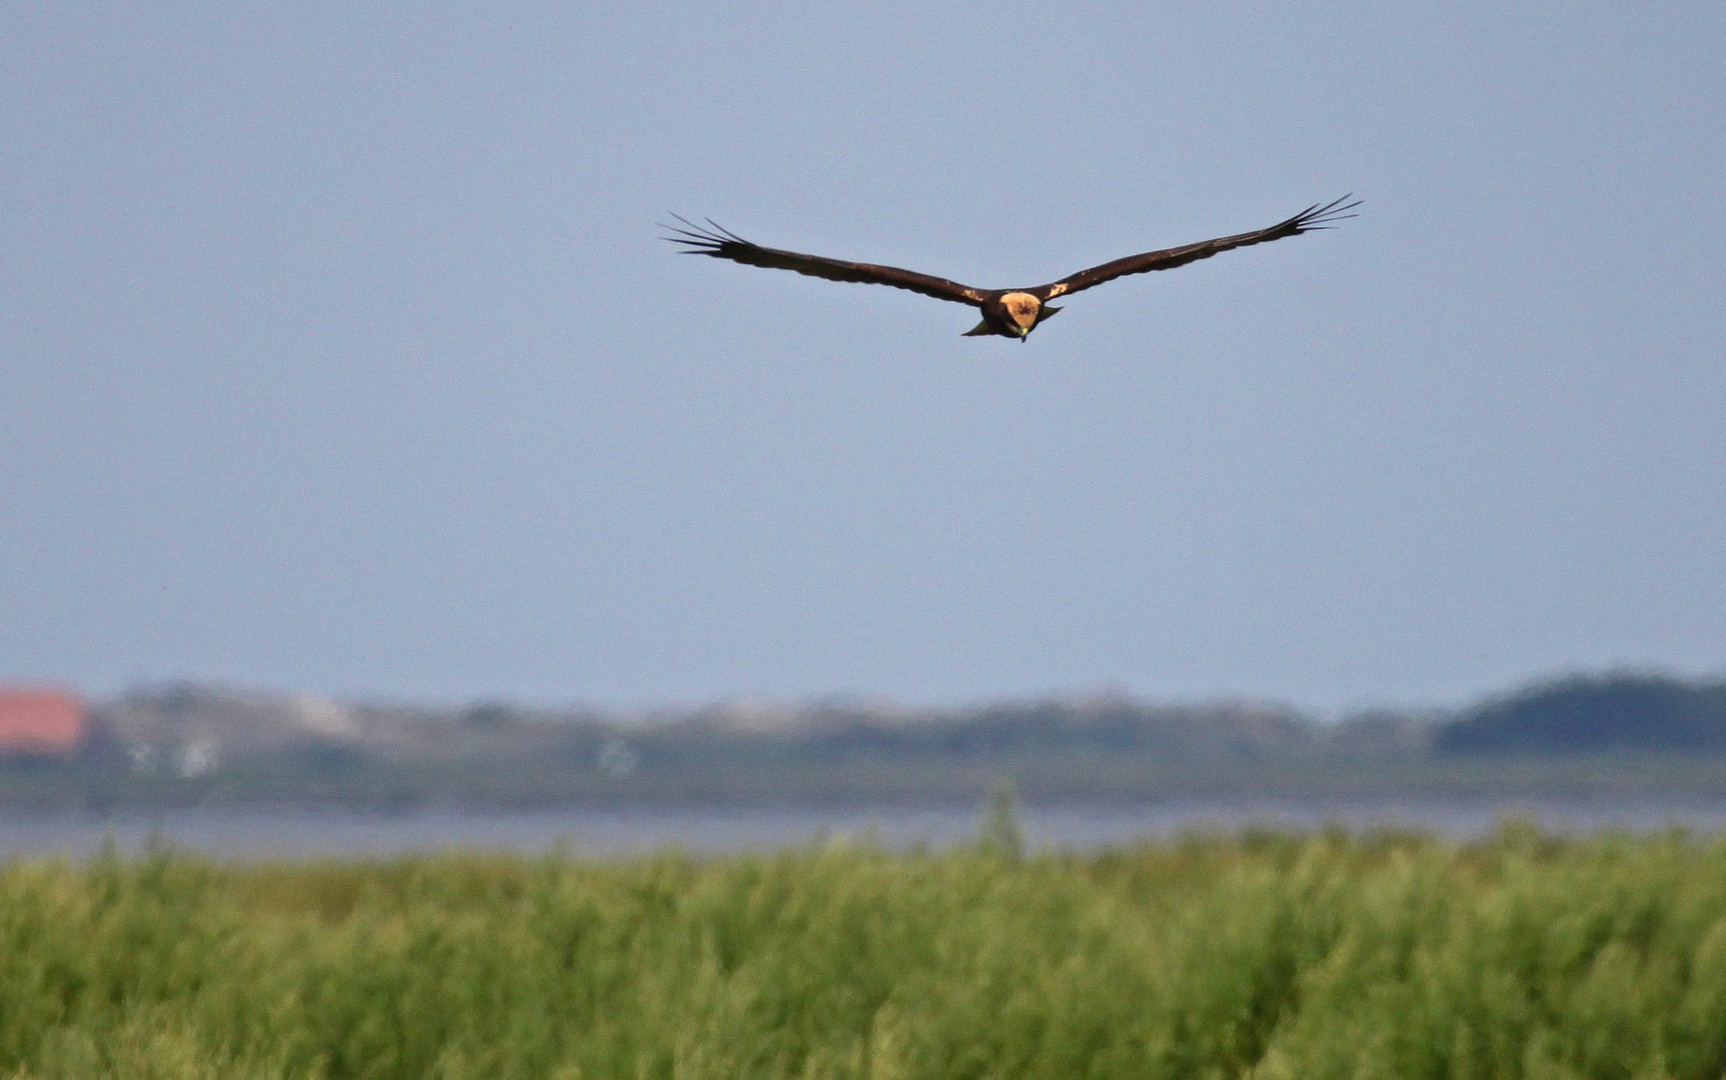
981,329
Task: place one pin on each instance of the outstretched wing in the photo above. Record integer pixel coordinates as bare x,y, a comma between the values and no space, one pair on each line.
1313,217
720,244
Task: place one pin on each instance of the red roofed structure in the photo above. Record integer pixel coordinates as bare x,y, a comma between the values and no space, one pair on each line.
34,720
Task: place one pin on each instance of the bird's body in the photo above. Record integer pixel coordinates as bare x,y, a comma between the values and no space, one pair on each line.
1011,313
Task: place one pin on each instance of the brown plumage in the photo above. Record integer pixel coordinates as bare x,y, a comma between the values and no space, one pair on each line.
1010,313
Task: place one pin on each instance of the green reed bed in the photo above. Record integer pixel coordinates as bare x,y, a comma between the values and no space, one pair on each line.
1298,957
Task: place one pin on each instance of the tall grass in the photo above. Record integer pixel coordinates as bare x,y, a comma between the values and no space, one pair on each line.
1268,956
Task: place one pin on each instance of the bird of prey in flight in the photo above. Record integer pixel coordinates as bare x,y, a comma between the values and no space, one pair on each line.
1011,313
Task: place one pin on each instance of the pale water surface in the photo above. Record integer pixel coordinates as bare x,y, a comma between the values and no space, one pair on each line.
258,833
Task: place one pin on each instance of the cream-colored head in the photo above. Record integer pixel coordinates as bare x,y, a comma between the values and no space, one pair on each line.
1022,308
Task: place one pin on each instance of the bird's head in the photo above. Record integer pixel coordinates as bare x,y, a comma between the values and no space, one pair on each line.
1022,310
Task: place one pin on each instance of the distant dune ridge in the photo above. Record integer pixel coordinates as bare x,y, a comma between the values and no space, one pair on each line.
1619,732
1579,713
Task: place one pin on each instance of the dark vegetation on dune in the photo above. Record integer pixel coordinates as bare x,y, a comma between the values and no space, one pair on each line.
1592,713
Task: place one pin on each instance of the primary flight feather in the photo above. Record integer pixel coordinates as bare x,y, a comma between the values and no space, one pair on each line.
1012,313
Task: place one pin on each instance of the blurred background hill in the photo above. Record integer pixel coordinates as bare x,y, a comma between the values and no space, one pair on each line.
1623,733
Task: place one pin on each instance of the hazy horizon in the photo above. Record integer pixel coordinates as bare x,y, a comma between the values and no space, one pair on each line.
649,711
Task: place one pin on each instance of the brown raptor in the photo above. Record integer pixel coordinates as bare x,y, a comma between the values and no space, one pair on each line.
1012,313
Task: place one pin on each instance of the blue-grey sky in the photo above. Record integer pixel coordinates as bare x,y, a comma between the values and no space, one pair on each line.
337,352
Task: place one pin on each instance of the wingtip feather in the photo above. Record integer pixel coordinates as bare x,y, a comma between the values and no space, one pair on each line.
1322,215
698,240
